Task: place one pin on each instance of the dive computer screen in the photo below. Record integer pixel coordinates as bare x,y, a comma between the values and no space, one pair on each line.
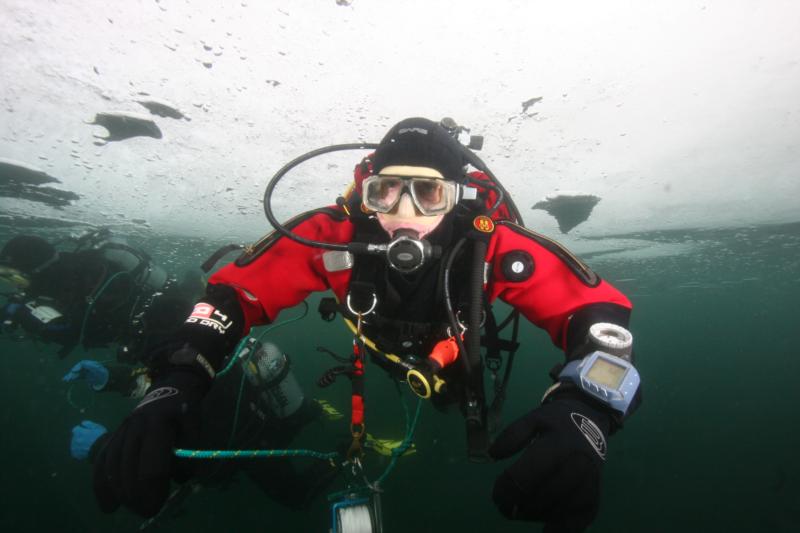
606,373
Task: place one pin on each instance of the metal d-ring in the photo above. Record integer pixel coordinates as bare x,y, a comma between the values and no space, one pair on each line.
463,326
362,313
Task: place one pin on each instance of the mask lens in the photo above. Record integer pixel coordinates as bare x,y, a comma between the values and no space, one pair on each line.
382,193
429,194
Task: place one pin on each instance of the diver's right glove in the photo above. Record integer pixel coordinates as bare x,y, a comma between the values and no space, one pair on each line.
85,436
136,464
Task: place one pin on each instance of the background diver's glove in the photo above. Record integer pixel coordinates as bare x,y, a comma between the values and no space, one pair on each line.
9,311
11,315
556,479
95,374
136,464
84,436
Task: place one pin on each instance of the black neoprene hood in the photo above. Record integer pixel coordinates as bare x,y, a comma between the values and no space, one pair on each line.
27,253
422,143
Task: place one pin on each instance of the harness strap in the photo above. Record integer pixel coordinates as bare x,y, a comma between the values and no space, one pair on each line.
357,382
365,271
357,426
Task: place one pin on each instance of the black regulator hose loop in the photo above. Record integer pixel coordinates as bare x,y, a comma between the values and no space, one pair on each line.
498,191
284,170
473,159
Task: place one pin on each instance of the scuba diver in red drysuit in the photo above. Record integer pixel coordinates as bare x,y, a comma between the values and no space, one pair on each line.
415,258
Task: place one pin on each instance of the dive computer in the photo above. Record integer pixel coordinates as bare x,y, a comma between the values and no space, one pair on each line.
605,377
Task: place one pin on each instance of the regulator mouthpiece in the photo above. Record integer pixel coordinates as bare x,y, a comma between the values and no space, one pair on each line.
407,252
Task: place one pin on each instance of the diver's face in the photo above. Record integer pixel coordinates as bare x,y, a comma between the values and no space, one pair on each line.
405,215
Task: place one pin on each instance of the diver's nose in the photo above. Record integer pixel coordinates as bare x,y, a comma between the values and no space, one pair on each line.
405,208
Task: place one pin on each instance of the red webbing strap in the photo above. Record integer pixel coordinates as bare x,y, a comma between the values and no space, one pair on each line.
357,381
357,399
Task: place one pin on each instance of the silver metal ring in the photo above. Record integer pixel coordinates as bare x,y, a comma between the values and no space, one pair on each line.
463,326
365,313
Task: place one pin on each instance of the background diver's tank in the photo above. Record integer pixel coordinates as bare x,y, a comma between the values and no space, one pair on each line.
117,250
129,258
269,368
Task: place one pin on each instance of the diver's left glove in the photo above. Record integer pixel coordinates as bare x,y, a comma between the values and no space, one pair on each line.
95,374
556,479
135,466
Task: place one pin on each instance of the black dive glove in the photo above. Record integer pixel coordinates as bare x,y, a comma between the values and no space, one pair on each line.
556,480
136,463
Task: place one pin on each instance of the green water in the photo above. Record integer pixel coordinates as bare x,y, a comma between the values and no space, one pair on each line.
713,448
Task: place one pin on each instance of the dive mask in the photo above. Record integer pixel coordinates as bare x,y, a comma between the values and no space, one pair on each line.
431,196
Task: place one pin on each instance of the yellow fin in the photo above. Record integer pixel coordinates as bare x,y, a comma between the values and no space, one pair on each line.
386,446
329,411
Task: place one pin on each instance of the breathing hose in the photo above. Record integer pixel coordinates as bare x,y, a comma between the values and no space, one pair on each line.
260,337
398,451
282,172
92,301
475,302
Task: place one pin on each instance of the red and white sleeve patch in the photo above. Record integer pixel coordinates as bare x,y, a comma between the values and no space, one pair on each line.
202,310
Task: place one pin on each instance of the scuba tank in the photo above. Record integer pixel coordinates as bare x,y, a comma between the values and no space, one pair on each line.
269,369
116,250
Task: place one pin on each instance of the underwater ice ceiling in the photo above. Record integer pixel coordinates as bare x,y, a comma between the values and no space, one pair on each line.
599,117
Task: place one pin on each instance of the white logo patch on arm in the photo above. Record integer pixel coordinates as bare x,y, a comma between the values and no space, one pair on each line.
207,315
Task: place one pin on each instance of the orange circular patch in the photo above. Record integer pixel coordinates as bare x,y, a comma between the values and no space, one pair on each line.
483,224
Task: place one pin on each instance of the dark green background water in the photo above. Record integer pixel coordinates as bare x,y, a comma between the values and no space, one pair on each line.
714,447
